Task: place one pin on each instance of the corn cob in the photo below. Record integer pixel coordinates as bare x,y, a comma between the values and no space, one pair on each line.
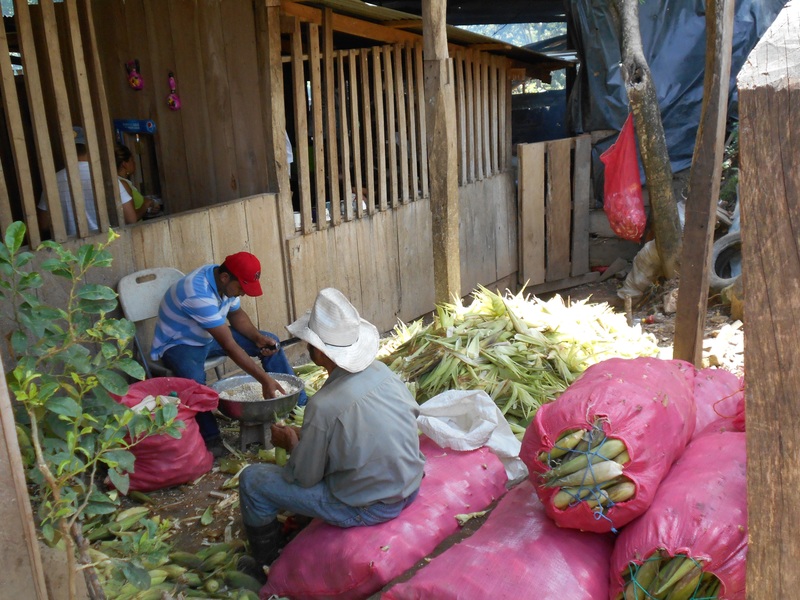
665,577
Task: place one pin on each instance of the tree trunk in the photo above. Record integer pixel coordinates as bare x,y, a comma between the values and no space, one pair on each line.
650,133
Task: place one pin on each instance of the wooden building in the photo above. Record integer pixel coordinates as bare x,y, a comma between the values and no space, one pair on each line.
344,82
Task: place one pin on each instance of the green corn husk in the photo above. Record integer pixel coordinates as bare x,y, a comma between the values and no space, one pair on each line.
520,350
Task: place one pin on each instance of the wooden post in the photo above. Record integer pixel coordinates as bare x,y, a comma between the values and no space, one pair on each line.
769,128
23,577
443,167
704,182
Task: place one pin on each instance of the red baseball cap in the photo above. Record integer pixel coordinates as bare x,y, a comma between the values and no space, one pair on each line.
247,269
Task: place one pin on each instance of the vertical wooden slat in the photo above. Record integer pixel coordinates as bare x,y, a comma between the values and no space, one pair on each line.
87,113
331,143
581,202
301,126
344,128
461,108
355,124
64,118
380,125
105,135
493,111
314,68
485,111
423,133
531,198
369,165
412,119
558,208
8,91
44,153
402,124
477,83
471,139
505,109
391,124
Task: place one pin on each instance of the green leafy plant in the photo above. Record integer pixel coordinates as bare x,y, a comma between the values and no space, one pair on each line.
68,361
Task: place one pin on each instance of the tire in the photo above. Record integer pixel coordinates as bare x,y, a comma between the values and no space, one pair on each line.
725,249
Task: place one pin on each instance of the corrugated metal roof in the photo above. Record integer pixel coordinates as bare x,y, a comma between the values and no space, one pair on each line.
455,35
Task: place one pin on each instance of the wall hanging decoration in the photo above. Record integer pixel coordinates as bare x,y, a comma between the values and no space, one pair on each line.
135,79
173,100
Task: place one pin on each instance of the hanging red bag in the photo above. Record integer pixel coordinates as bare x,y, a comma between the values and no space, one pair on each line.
622,191
163,461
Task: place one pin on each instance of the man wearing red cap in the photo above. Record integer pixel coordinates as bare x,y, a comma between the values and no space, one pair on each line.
201,317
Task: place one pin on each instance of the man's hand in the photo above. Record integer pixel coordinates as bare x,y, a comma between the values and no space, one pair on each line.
284,437
270,388
268,346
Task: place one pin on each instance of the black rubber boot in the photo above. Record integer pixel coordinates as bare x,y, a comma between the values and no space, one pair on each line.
265,543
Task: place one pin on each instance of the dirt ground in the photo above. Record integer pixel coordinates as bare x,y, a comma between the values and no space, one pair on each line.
186,504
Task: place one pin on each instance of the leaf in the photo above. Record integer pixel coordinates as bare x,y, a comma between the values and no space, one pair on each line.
121,482
208,517
131,367
170,411
94,291
113,382
15,235
120,459
64,406
137,575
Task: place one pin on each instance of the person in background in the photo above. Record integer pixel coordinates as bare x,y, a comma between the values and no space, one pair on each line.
65,195
201,317
356,460
134,205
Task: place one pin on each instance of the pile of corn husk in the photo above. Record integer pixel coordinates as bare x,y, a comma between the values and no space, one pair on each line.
520,350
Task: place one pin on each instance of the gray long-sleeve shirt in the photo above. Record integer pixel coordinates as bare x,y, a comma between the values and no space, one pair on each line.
360,436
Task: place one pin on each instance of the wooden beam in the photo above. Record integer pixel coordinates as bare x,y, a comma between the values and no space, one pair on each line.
704,183
350,25
441,105
331,141
769,129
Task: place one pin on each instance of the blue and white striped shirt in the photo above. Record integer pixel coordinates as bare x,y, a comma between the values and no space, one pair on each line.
190,307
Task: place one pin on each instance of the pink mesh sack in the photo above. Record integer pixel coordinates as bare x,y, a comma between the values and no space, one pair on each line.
633,418
517,553
163,461
325,561
719,396
699,514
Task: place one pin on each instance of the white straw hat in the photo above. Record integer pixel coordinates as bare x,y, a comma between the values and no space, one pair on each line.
334,326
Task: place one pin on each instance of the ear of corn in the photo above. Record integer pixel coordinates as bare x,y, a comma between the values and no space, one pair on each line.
665,577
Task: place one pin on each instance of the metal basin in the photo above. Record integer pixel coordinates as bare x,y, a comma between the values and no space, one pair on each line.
260,411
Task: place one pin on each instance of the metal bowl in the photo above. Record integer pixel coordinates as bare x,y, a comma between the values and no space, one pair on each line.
262,411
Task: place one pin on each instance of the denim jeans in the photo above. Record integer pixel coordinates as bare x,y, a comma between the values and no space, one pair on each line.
263,492
188,362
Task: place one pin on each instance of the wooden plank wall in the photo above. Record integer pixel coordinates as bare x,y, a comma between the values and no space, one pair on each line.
554,200
213,149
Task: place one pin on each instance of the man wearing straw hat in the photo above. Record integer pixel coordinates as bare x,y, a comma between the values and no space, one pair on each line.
357,459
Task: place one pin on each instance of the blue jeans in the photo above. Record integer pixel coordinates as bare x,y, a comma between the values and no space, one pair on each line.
263,492
188,362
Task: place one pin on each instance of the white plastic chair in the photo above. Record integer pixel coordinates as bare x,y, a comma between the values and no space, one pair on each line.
140,295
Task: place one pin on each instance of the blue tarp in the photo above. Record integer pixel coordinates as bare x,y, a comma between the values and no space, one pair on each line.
674,39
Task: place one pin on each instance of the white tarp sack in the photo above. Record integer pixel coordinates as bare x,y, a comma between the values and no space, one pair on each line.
469,419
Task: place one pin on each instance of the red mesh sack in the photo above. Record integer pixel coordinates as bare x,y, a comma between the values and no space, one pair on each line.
163,461
645,404
325,561
719,396
700,512
516,551
622,190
